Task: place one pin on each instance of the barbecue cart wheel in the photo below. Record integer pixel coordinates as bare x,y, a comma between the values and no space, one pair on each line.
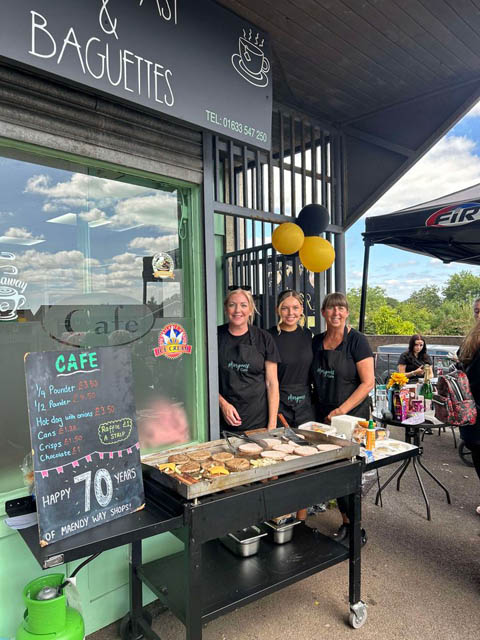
126,631
465,454
358,615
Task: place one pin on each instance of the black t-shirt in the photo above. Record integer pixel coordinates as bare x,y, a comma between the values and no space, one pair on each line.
295,348
262,341
357,347
412,362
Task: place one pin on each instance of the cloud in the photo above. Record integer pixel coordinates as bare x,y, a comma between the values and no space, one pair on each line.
5,215
95,217
451,165
81,186
157,210
21,236
154,245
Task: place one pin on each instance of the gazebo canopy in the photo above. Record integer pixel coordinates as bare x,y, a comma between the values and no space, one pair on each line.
447,228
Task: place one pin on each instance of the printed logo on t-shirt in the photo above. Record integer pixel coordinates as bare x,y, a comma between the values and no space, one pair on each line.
239,366
326,373
296,399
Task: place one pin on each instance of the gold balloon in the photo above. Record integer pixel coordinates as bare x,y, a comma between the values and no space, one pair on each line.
288,238
317,254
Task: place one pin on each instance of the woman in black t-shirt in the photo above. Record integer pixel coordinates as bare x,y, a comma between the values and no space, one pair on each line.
247,368
294,343
342,365
412,362
342,373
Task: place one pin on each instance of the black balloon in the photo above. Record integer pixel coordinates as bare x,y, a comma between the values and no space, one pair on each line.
313,219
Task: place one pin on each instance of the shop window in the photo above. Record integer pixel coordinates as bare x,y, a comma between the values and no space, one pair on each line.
76,271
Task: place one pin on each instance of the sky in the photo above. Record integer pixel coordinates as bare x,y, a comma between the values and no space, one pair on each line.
66,233
450,165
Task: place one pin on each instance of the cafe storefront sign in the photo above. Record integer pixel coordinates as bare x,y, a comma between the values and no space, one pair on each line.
188,59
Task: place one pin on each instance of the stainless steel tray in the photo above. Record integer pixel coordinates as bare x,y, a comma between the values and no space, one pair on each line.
347,450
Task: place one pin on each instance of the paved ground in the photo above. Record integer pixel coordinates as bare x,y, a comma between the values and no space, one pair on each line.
420,579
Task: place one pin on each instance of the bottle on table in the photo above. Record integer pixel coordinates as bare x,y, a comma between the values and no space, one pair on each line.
427,390
370,442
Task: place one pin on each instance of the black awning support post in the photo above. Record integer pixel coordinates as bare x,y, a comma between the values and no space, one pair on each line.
363,298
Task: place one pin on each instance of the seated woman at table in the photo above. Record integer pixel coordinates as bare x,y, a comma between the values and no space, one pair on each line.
412,361
247,368
343,373
294,343
469,356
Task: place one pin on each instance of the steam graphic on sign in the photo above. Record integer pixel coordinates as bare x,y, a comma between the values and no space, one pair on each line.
250,61
11,289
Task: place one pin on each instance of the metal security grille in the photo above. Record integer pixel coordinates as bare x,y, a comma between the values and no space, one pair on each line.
256,190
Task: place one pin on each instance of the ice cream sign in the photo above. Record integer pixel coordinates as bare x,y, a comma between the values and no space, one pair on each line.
11,288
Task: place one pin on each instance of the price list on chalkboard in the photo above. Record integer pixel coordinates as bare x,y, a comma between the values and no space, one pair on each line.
85,445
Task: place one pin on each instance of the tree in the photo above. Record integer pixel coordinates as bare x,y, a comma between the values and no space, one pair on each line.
375,298
427,297
462,287
421,318
386,321
452,319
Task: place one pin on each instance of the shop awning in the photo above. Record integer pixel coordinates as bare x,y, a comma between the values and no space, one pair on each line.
392,76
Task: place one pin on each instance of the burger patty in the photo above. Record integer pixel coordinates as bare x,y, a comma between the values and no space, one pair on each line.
305,451
237,464
222,456
250,449
273,455
179,458
189,467
199,456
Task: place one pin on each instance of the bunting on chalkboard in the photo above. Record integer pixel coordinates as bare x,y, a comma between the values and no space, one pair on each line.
88,458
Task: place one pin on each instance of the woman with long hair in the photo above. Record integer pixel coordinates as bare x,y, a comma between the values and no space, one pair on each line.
343,374
469,356
413,361
247,368
294,343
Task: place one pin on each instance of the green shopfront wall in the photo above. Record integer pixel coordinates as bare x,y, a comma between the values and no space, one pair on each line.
73,234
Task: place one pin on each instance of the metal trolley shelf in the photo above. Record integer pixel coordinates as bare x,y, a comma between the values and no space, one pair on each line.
225,588
206,580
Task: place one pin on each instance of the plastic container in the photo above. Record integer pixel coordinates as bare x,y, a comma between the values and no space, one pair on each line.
245,542
282,533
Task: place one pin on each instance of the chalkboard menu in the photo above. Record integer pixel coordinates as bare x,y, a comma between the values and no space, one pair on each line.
86,454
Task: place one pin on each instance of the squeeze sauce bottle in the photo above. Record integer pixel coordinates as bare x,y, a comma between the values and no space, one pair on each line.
370,443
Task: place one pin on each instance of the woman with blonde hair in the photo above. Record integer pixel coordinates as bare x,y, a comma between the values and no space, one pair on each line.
247,368
294,343
469,356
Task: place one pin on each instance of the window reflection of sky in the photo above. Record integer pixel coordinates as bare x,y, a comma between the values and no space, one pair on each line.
76,233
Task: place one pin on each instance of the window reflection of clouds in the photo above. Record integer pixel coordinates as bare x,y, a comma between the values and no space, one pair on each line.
87,224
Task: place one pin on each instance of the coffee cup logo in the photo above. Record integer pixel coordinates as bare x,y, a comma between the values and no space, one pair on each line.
250,61
10,301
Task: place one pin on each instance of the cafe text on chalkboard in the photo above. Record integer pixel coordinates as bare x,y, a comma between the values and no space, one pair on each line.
86,456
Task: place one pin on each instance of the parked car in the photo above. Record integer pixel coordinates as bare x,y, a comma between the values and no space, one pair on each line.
387,355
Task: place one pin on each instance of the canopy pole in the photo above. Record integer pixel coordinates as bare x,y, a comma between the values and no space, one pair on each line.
363,297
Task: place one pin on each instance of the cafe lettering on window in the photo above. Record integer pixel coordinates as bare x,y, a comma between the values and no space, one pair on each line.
192,59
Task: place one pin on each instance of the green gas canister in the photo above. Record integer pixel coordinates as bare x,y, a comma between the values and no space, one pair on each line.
48,616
